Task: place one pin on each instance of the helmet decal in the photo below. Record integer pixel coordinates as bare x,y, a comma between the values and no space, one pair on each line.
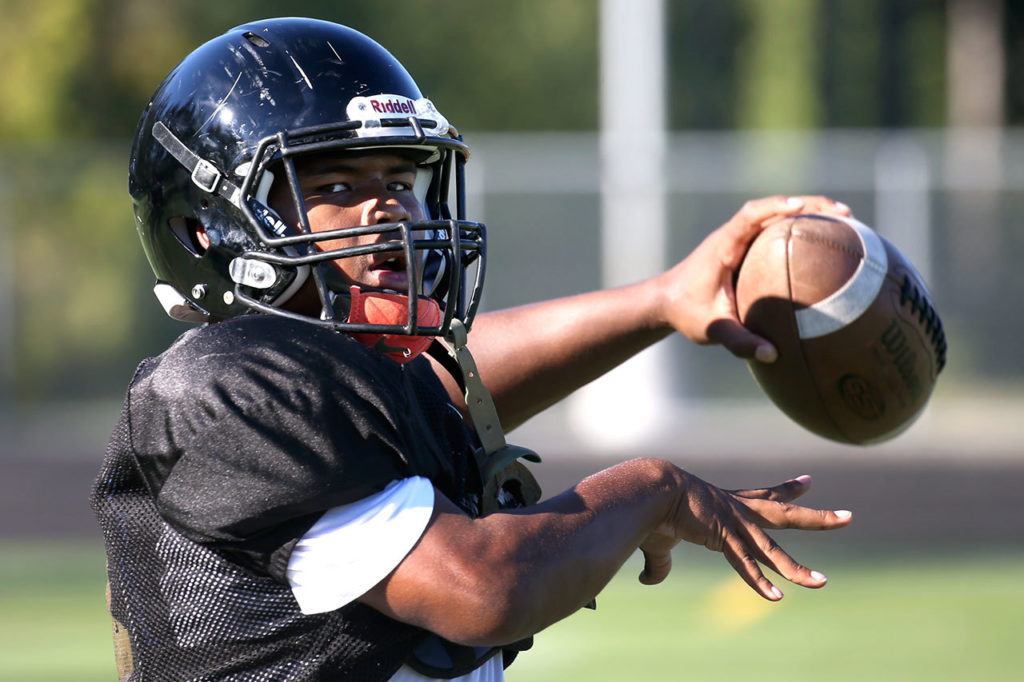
379,113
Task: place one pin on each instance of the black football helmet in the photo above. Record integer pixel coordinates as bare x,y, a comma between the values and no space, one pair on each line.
230,121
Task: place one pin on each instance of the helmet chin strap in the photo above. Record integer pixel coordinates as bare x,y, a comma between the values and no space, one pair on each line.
497,459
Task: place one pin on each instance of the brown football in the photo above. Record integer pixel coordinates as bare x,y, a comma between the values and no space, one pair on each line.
860,345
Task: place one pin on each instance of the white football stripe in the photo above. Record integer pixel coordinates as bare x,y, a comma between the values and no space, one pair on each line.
848,303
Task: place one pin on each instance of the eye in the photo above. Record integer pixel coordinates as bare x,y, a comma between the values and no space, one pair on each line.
332,188
399,186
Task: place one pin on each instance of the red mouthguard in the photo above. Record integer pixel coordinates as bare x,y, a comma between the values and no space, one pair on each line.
393,309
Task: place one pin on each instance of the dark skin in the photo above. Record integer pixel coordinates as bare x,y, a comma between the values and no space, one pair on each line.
494,580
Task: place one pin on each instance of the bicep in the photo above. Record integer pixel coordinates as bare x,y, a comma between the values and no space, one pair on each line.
442,583
352,547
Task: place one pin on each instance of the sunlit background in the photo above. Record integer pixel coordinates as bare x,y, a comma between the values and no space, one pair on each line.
608,138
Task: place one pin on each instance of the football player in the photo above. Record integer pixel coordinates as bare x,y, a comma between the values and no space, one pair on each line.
314,482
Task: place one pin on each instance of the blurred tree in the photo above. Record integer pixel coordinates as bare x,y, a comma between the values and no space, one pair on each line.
849,46
527,65
43,47
807,63
777,65
702,72
85,68
76,262
924,48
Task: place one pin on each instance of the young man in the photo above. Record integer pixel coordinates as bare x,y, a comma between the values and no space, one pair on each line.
314,484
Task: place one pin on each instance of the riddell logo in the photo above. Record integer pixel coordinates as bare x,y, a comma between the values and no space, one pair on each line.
393,106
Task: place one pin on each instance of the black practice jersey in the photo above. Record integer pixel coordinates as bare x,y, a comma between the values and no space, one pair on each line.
231,444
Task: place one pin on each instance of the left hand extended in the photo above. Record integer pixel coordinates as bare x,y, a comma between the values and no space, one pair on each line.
698,297
733,522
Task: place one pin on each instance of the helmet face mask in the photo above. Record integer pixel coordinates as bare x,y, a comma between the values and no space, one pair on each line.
213,161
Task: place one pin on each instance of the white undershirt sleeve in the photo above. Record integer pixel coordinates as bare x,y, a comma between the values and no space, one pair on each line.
353,547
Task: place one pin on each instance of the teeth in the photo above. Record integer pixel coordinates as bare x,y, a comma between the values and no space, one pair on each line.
391,264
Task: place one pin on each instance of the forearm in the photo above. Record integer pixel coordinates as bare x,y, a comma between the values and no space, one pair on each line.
506,576
568,548
532,356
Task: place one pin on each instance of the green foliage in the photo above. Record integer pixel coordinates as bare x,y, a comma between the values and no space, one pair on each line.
924,52
497,66
777,65
807,63
74,259
85,68
702,55
43,47
851,56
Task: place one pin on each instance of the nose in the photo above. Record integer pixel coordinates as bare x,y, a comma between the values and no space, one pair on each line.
381,208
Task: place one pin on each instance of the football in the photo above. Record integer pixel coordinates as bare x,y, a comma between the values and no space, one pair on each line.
860,344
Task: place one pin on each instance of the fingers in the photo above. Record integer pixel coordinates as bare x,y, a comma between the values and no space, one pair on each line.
784,492
745,564
657,549
774,557
754,214
748,221
746,554
745,224
824,205
733,522
740,341
735,236
747,547
778,515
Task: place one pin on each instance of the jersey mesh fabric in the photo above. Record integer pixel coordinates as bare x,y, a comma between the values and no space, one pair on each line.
194,615
202,603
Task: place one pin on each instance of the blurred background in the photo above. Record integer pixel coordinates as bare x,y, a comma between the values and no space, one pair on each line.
609,137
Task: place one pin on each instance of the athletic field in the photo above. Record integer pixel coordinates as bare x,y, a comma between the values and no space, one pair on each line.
958,615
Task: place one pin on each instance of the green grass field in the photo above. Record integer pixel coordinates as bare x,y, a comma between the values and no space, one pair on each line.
955,616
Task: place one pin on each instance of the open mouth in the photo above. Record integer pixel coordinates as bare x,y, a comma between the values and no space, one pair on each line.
388,271
389,262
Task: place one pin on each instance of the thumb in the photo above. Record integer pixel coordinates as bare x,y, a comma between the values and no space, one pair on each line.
741,342
657,566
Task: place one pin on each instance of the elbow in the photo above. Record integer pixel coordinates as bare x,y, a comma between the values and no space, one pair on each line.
497,620
490,631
